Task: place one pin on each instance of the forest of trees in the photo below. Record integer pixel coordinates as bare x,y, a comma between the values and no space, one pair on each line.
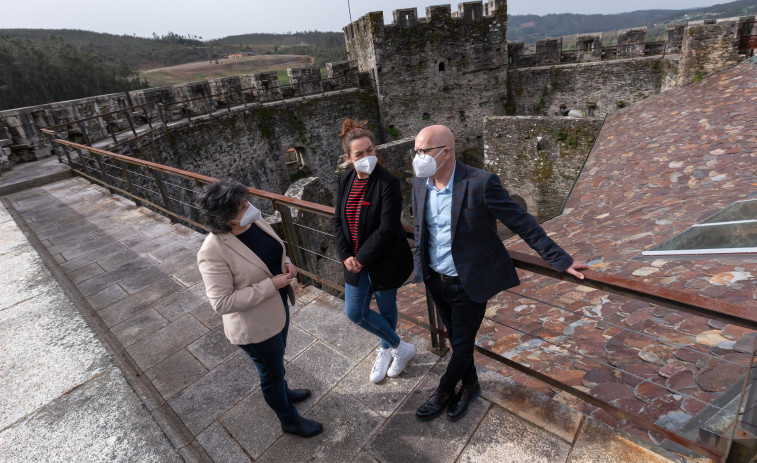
33,73
41,66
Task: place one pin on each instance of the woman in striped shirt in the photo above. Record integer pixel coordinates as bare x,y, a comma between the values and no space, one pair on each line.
371,243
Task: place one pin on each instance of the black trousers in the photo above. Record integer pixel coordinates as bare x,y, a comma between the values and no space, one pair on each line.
462,317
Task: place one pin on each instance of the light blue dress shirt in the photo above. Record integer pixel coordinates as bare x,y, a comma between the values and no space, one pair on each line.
438,217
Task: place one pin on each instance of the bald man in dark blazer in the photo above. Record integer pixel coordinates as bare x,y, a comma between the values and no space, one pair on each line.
460,257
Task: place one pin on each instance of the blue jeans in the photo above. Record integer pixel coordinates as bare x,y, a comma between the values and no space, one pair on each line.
357,301
268,357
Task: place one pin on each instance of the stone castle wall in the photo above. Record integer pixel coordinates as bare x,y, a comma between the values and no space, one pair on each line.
596,88
709,46
21,127
538,159
441,69
251,146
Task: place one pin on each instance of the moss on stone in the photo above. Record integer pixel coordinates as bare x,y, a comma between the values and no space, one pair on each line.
542,170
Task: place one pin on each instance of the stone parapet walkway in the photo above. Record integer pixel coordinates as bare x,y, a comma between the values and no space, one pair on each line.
62,398
133,277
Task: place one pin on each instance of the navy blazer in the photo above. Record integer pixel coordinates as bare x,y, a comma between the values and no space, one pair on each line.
384,250
481,260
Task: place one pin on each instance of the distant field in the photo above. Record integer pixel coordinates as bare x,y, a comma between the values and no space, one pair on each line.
201,70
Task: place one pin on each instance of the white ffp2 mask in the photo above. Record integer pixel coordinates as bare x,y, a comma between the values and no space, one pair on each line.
426,166
366,164
252,214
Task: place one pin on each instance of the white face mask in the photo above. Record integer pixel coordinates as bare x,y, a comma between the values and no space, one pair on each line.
426,166
252,214
366,164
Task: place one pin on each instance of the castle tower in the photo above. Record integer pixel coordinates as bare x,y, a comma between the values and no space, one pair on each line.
444,68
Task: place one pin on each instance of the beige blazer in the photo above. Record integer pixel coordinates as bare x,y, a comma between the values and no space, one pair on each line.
239,287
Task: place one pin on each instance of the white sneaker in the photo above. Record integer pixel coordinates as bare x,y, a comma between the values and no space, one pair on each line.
381,365
402,354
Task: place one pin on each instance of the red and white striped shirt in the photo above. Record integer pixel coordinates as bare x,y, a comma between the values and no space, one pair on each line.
352,208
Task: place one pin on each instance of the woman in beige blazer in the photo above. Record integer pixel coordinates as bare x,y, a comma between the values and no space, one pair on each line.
247,278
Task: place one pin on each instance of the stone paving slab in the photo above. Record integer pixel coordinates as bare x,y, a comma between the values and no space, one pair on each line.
253,424
503,437
61,397
404,438
597,442
30,174
349,425
325,320
72,355
385,397
102,420
206,393
215,393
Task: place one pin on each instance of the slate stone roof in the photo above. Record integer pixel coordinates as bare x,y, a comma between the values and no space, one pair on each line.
658,167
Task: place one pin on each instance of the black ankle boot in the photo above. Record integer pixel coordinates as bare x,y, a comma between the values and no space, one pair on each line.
434,406
303,427
458,406
298,395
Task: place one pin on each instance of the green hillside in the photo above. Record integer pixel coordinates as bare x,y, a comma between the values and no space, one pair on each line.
530,28
43,71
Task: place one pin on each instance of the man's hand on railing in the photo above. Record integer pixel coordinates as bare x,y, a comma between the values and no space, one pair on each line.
573,269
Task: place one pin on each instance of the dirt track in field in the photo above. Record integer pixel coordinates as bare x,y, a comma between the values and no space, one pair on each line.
201,70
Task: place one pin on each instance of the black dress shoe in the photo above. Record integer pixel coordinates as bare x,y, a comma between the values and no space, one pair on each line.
303,427
434,406
459,404
298,395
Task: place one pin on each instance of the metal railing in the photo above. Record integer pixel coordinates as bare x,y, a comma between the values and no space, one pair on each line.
172,191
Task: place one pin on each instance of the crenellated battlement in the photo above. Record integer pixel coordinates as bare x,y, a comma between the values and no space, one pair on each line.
474,22
19,128
631,43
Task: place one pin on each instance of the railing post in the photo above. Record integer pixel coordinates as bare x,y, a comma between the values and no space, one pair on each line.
209,99
162,190
291,235
147,116
102,171
56,150
84,132
68,156
113,133
160,112
131,123
127,177
84,166
438,345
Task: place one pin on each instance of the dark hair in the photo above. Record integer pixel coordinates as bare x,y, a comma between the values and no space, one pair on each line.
353,130
219,203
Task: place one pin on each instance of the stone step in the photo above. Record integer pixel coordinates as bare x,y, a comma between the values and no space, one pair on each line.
32,174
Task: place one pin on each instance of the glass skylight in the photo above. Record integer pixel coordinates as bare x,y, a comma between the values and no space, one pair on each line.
731,231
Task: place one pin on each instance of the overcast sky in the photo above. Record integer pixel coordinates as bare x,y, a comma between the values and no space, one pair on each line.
220,18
